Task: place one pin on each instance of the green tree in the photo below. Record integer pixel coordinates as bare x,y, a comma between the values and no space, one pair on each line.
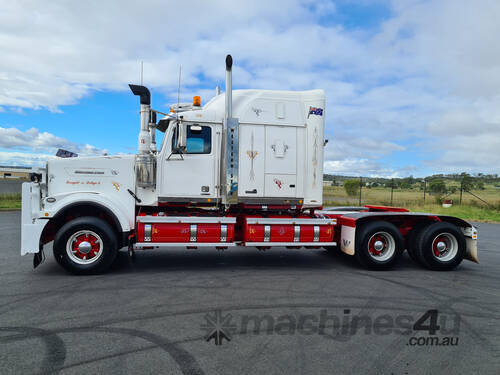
405,185
437,187
467,181
480,185
351,187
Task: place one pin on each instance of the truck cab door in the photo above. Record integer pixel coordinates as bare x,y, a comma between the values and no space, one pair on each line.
191,175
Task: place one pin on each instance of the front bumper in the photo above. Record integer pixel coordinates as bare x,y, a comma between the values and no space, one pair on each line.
31,225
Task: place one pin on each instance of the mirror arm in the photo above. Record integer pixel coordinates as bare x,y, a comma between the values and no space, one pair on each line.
172,153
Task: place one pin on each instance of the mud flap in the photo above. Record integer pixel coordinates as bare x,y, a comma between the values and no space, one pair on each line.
471,250
347,238
38,258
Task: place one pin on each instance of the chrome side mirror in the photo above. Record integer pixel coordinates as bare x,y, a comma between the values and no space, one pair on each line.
182,135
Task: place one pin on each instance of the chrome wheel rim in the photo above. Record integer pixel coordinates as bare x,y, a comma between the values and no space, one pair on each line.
381,246
445,247
84,247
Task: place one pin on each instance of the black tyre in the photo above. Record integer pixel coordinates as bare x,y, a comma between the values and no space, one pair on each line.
379,245
411,242
441,246
86,245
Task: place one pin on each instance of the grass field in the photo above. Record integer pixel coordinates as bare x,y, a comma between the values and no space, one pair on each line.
471,209
10,201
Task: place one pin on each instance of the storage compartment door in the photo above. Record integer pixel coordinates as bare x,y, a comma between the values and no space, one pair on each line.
281,150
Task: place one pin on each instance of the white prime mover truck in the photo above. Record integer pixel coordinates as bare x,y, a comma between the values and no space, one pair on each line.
246,169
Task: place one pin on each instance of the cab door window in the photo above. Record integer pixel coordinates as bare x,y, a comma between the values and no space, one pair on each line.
198,140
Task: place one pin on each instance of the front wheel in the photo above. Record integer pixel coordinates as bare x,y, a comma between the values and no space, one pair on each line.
85,245
379,245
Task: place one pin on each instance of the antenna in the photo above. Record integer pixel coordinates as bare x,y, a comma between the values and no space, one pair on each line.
142,70
179,89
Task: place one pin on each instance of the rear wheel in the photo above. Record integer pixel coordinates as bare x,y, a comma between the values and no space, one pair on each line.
379,245
85,245
411,243
441,246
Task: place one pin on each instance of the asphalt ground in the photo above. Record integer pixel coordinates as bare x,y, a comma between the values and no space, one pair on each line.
319,313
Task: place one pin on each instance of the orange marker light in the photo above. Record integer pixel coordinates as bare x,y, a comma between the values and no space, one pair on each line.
196,101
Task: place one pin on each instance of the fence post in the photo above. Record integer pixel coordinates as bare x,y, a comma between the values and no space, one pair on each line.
425,188
360,188
461,189
392,189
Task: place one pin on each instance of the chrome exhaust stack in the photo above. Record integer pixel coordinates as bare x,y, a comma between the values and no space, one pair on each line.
229,147
152,132
229,87
145,161
144,136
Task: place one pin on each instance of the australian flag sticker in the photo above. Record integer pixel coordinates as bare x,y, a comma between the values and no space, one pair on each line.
315,111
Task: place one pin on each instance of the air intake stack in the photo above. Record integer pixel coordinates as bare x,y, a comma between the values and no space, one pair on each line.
145,161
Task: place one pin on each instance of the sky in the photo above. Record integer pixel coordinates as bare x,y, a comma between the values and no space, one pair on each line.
412,86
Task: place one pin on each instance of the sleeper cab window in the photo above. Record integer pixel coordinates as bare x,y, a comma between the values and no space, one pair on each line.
198,140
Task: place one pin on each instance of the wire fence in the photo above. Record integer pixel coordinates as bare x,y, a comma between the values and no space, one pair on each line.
418,192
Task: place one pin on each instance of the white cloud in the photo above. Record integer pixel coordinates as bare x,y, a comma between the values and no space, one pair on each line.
31,138
342,148
429,74
23,158
33,147
360,167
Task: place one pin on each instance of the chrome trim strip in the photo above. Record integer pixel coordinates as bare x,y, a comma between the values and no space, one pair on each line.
289,244
296,233
193,233
261,201
147,232
267,233
223,233
204,199
257,220
140,245
186,219
316,233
